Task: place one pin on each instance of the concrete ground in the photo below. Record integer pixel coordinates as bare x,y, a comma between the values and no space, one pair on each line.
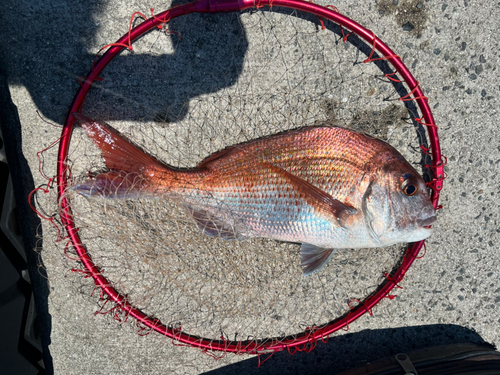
450,295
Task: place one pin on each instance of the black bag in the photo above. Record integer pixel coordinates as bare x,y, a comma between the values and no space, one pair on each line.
456,359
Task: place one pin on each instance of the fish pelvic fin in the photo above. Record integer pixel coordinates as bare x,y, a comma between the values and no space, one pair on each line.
212,225
336,211
313,258
132,173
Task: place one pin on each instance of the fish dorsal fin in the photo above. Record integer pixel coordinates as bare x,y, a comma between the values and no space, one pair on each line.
317,198
313,258
213,157
118,153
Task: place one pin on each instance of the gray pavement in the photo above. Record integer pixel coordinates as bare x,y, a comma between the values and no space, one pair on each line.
450,295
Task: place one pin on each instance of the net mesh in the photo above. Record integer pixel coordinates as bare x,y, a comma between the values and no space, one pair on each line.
182,97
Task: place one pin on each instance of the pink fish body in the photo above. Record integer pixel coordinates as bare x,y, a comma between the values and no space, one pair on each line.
324,187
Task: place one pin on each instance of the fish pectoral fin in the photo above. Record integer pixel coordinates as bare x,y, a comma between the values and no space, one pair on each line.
318,199
211,225
367,215
313,258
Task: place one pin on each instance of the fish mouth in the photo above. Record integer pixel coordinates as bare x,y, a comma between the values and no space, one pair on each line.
427,222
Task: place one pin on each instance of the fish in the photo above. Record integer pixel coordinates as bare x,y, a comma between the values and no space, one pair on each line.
323,187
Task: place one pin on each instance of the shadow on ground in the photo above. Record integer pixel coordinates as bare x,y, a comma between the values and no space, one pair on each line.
50,55
349,351
45,48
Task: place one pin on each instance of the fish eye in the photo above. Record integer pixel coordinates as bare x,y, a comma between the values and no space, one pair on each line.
409,189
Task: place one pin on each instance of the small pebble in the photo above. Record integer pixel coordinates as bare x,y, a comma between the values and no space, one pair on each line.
483,93
437,51
473,76
464,45
408,26
482,60
478,69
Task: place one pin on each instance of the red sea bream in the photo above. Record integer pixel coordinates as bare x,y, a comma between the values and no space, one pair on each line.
324,187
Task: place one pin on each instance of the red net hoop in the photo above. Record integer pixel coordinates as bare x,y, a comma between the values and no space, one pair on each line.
307,339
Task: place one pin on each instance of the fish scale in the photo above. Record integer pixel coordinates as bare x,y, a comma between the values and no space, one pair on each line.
325,187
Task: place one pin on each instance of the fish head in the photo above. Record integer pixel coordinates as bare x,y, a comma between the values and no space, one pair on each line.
398,204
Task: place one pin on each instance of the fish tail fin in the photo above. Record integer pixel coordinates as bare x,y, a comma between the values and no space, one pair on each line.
114,184
132,173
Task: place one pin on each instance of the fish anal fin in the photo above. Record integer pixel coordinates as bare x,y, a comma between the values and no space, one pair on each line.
319,199
211,225
313,258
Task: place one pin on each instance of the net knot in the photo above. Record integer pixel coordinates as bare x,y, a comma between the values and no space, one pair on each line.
359,303
262,361
162,22
142,329
389,278
374,46
425,150
408,97
177,334
128,45
83,80
388,76
85,273
390,296
420,120
344,35
425,252
438,171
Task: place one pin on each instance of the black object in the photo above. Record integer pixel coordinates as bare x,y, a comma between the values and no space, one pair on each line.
455,359
20,344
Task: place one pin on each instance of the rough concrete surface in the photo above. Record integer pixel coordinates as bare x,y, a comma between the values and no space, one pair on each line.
450,295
